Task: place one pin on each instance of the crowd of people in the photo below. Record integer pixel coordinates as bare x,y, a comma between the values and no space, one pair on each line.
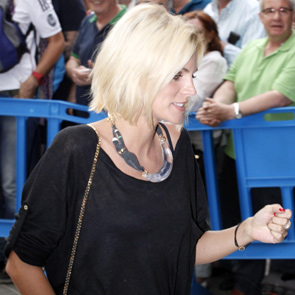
245,55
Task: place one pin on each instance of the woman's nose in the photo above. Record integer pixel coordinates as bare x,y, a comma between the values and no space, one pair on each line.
190,88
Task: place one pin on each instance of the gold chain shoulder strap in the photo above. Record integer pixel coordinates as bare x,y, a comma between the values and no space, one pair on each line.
81,215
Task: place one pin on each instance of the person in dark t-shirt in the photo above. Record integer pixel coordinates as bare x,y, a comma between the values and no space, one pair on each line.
93,30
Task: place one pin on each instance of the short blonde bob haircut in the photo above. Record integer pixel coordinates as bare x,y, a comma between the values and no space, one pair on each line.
140,56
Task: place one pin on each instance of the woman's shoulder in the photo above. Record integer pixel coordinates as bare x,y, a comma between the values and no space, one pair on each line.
82,130
74,138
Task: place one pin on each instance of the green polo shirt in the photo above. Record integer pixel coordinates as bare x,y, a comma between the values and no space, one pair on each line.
253,74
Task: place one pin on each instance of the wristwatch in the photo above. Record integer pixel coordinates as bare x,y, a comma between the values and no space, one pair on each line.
39,77
237,111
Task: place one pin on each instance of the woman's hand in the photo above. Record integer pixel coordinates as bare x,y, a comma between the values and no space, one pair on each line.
270,224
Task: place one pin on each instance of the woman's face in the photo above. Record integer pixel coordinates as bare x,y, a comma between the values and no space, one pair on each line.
170,103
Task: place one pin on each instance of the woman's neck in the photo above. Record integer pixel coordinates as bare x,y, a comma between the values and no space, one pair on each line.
139,138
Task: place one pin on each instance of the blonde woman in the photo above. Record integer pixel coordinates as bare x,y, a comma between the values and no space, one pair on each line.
144,223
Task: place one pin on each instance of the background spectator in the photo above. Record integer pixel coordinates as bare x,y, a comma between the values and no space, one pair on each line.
213,66
238,23
58,85
210,73
93,30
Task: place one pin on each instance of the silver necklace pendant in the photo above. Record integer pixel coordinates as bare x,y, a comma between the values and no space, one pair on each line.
166,169
132,161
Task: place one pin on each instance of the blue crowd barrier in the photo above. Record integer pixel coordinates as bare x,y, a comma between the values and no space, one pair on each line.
55,112
264,151
264,158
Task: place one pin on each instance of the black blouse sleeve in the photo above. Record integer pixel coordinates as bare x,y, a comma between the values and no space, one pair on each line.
50,192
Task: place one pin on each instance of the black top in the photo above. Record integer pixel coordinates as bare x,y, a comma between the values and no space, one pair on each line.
137,237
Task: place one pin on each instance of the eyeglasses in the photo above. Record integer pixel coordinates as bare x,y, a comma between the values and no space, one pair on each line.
270,12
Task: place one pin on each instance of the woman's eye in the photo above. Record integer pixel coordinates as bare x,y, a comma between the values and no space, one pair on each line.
177,76
194,75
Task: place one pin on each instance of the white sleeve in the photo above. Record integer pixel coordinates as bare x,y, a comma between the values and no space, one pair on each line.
39,12
230,53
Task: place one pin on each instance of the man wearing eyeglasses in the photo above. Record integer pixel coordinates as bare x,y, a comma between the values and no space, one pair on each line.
261,77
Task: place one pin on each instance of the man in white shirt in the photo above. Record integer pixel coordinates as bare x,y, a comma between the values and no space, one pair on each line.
22,81
22,77
238,23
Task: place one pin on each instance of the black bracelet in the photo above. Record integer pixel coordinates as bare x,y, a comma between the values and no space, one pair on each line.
241,248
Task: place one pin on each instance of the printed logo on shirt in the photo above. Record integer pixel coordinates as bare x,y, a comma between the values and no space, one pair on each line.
44,5
51,20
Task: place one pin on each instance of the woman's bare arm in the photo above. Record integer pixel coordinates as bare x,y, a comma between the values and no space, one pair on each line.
29,279
266,226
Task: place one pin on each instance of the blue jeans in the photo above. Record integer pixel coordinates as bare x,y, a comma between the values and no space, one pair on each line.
7,165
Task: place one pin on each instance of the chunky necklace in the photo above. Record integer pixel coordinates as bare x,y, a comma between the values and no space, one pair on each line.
132,161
